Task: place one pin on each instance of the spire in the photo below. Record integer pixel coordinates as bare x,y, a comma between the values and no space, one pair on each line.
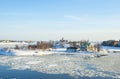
62,40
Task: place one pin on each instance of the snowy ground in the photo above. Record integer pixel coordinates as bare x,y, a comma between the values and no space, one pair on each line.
74,65
14,52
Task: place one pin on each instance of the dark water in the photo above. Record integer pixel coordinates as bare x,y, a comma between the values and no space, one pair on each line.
6,73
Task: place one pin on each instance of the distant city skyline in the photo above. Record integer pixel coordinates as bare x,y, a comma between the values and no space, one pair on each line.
94,20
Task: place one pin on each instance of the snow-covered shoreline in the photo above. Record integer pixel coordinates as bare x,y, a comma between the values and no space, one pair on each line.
31,52
25,52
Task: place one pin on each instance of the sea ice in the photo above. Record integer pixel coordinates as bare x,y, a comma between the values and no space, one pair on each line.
74,65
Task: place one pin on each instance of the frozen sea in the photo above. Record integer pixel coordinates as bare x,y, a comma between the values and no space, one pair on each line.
58,66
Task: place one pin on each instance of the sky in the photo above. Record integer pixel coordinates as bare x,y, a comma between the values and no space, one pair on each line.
94,20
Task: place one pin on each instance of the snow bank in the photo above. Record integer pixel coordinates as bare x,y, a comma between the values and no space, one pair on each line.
14,52
59,50
31,52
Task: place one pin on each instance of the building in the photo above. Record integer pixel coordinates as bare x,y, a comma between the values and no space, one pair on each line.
71,49
110,43
115,43
119,43
61,44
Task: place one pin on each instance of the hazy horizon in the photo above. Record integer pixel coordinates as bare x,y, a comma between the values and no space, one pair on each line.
94,20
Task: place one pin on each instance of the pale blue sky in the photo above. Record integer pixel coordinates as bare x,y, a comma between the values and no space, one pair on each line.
52,19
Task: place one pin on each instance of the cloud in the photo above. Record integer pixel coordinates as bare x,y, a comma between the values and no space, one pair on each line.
95,20
73,17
